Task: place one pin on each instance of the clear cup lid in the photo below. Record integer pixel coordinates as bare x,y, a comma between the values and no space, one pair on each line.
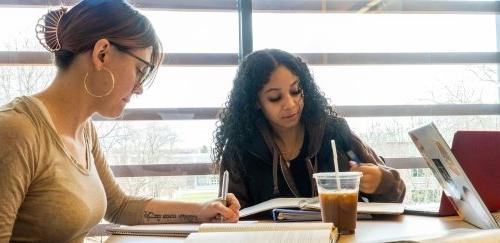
332,175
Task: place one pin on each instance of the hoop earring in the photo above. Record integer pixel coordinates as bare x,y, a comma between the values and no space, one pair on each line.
109,91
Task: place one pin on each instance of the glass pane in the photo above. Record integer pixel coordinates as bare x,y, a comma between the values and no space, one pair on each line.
344,85
190,141
18,29
187,87
388,136
156,142
421,189
196,32
409,84
185,188
212,32
367,33
23,80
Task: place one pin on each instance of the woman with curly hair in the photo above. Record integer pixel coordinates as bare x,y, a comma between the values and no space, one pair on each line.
275,132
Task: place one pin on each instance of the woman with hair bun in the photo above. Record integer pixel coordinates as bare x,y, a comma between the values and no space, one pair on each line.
55,184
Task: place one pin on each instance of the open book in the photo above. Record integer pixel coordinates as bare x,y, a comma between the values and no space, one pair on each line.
313,204
266,232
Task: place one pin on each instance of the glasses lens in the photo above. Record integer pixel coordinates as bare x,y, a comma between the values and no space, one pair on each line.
145,75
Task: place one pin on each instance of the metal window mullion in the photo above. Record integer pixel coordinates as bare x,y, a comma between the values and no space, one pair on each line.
206,168
225,59
245,28
210,113
307,6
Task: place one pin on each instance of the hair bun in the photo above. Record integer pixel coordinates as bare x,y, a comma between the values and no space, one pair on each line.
47,29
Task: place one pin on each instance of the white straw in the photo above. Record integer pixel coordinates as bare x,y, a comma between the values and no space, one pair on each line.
335,163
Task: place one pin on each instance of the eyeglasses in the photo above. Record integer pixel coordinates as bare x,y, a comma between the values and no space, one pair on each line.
145,73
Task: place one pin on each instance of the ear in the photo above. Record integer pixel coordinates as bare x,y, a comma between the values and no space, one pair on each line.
100,53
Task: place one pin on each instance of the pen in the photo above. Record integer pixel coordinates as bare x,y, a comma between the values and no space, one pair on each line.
224,189
353,157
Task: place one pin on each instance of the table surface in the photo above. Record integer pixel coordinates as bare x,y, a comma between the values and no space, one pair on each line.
379,229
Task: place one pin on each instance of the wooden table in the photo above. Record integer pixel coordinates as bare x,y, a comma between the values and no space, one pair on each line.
382,228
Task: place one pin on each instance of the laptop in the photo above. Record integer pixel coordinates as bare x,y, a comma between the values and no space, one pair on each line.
450,174
471,148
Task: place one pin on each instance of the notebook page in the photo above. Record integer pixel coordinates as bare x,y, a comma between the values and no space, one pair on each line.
265,227
297,236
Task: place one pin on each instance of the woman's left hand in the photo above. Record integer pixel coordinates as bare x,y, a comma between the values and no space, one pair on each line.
372,176
211,210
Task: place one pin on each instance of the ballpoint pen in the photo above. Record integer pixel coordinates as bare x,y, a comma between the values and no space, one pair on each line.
345,140
353,157
224,189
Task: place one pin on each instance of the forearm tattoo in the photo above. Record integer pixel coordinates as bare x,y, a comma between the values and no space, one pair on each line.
153,218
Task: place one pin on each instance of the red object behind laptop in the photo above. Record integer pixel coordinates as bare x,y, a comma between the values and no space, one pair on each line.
478,152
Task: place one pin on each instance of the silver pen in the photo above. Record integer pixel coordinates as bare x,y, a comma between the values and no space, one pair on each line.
223,191
224,188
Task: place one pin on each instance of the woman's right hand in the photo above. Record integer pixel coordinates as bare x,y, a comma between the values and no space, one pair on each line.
210,210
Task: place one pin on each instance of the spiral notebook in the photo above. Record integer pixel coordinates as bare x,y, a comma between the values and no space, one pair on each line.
245,231
175,230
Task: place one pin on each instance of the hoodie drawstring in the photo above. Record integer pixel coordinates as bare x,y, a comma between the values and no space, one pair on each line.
275,172
312,169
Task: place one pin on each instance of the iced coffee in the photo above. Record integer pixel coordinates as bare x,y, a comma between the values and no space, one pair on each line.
338,194
341,209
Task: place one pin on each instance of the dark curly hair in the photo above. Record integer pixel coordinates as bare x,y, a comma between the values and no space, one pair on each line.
238,120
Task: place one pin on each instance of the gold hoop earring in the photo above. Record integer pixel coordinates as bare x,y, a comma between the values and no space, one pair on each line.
109,91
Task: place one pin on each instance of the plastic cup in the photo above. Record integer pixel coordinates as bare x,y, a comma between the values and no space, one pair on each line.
339,202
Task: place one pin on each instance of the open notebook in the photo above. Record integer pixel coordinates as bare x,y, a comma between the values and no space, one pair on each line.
313,204
266,232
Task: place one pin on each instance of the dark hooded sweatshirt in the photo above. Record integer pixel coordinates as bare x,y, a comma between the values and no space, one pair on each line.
259,172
